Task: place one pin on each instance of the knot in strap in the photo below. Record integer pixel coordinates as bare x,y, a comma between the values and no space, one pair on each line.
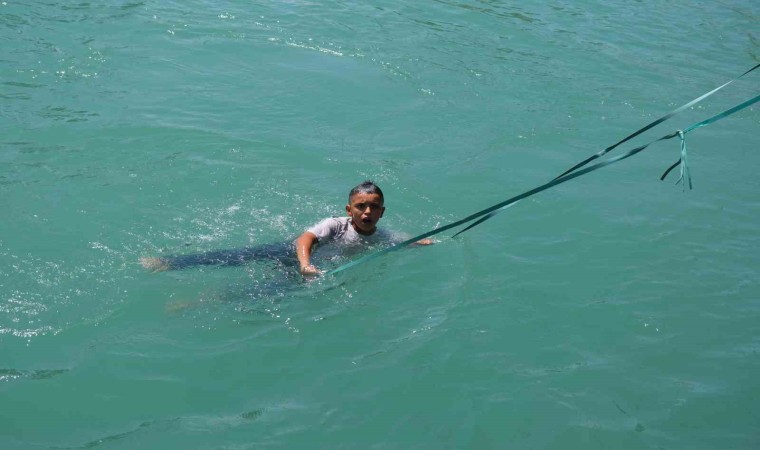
685,172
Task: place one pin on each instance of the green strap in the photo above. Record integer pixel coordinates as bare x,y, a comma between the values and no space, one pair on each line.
706,122
653,124
725,113
627,138
684,166
481,220
685,172
497,206
575,174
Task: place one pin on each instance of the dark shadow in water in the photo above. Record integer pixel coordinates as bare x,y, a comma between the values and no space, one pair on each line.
273,270
273,276
282,253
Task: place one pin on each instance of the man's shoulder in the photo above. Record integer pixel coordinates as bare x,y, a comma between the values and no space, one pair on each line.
329,227
334,221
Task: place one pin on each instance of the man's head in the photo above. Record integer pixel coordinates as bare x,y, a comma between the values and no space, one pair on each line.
365,207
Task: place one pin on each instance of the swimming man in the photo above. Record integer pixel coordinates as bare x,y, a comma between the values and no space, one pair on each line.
357,229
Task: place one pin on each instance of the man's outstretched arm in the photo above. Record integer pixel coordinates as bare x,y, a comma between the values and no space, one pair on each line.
304,245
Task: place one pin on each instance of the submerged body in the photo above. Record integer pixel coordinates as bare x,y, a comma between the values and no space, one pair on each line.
282,252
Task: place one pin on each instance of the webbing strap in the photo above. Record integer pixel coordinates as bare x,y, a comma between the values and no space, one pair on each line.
559,180
725,113
629,137
653,124
497,206
481,220
685,173
706,122
682,162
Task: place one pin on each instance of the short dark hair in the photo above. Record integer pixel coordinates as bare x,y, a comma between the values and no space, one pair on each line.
366,187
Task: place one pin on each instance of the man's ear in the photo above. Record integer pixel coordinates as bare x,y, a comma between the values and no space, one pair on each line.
348,209
382,212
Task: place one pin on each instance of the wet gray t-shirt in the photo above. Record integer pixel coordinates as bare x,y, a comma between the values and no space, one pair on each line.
339,231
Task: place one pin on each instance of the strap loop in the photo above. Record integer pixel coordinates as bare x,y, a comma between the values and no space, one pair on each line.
684,163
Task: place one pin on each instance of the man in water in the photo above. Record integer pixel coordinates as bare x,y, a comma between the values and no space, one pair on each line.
357,229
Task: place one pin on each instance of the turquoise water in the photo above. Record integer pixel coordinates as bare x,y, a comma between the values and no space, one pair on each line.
614,311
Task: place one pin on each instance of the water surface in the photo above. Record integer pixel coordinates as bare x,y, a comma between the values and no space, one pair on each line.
615,311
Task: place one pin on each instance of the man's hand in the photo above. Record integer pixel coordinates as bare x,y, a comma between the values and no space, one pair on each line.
310,271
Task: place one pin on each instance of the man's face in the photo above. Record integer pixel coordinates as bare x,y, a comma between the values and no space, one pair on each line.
365,211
